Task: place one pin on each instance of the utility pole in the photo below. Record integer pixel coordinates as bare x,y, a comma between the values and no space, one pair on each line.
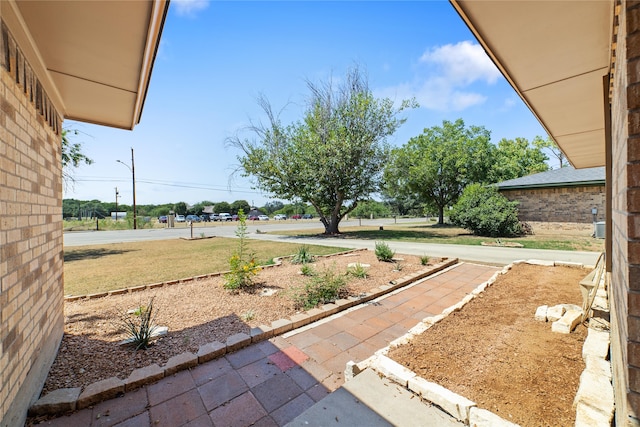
133,174
132,168
117,194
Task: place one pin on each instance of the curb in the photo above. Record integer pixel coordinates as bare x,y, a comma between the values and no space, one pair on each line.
58,402
588,402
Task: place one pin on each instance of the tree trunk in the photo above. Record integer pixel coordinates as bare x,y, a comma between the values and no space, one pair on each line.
440,215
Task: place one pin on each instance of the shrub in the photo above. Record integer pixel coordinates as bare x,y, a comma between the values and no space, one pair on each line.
486,212
303,256
384,252
358,270
139,324
424,259
242,263
321,289
307,270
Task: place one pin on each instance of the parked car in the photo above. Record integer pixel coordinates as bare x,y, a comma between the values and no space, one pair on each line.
280,217
214,217
263,218
162,219
180,218
235,217
205,218
307,216
296,216
224,217
193,218
253,218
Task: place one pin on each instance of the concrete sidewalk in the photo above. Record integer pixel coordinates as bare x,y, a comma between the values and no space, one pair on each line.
273,382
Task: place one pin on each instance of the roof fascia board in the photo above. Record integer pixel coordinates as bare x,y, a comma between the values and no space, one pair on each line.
19,30
156,25
554,185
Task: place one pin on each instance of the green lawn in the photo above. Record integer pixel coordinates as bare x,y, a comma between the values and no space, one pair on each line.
433,233
91,269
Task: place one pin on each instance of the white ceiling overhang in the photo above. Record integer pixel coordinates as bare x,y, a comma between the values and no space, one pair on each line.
555,55
94,58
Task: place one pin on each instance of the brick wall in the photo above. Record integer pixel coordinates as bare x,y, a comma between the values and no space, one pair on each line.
31,254
560,204
625,218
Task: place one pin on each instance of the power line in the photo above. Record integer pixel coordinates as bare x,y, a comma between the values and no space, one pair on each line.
195,186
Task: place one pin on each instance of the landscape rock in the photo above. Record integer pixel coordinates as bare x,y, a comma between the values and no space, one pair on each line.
541,313
483,418
454,404
567,322
555,313
393,370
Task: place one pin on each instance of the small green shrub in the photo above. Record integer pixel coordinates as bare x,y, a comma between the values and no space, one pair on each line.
398,266
242,263
486,212
303,256
384,252
307,270
358,270
320,289
248,315
139,325
424,259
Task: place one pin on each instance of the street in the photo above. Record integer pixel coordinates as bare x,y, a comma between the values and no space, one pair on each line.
481,254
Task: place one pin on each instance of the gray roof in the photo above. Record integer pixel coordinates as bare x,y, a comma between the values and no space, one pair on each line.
563,177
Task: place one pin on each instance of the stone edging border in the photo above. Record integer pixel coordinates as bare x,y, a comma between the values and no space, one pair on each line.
67,400
594,403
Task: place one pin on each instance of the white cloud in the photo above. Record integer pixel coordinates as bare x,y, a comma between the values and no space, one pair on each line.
189,7
443,80
462,63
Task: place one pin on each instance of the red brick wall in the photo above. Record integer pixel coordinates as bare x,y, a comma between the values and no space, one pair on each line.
31,254
625,218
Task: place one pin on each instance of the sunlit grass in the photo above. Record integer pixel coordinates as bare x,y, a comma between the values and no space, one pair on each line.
100,268
432,233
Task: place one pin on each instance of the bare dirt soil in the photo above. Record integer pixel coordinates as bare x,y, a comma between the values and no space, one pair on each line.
196,313
494,352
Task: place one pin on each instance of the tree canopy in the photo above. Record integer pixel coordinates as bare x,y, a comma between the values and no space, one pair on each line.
72,155
437,165
333,158
515,158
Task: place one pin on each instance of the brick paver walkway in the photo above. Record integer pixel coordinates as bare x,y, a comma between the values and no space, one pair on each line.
272,382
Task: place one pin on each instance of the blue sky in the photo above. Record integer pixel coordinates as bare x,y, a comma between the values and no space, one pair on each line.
216,57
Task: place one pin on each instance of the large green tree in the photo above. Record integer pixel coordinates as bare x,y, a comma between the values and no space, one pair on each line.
437,165
333,158
515,158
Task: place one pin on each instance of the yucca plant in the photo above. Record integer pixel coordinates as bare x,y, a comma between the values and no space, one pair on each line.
139,324
303,256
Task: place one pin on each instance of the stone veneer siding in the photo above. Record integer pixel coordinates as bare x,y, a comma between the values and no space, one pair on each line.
625,218
559,204
31,253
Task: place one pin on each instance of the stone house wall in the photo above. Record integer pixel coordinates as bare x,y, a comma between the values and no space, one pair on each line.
559,204
31,252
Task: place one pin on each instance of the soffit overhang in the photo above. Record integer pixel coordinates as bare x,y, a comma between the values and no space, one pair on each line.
94,58
555,54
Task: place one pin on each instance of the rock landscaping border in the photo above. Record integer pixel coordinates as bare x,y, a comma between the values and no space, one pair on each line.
594,401
67,400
